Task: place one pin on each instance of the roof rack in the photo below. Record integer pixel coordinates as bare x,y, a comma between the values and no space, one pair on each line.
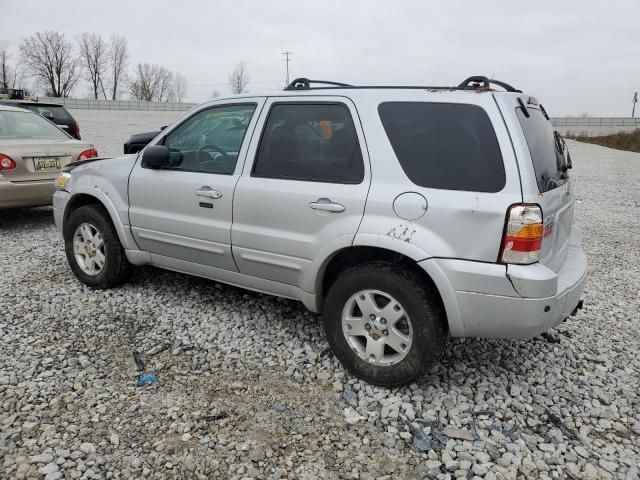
472,83
305,84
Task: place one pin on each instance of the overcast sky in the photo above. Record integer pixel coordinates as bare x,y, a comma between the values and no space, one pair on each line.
575,56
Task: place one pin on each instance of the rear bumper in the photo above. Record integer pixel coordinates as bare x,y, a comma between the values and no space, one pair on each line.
25,194
506,302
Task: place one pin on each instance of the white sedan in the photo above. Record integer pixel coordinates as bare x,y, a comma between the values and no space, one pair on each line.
33,151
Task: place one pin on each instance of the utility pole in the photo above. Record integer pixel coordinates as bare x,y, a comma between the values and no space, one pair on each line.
286,54
635,100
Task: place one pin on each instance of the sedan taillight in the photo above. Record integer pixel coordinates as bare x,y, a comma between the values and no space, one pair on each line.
523,232
87,154
6,163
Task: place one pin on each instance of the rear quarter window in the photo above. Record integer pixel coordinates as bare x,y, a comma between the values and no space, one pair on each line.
445,145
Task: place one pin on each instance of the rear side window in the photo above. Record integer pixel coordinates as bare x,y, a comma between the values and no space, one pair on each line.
547,156
310,142
445,145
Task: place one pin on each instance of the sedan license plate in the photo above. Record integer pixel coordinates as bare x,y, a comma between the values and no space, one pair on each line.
49,164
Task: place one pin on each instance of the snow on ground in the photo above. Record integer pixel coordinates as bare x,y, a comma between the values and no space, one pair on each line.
109,129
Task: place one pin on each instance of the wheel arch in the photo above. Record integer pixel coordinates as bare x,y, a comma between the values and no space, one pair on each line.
354,255
94,198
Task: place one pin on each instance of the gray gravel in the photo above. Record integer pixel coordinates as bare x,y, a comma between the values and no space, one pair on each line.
246,387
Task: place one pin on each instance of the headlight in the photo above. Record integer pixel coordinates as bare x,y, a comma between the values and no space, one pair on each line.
62,181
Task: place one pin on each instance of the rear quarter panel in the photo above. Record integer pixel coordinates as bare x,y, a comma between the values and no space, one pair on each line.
457,224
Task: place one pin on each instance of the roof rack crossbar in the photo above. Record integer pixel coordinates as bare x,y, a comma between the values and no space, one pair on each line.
472,83
305,84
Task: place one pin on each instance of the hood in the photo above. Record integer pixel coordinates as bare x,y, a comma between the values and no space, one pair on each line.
121,159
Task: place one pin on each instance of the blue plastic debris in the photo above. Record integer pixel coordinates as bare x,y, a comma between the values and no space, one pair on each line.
147,379
421,441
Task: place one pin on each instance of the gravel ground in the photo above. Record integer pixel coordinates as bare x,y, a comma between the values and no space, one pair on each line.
248,389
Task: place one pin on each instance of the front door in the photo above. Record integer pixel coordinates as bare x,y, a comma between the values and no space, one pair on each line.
303,190
184,212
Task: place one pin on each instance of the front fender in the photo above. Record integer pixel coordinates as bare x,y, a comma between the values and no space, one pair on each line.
122,228
107,181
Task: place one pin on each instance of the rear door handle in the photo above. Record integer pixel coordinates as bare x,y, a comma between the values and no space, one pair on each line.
327,206
208,192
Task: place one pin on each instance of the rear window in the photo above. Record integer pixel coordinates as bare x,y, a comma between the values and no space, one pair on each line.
548,160
26,125
445,145
53,112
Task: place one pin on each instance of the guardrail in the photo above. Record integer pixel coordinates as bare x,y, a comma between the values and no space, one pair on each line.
596,122
88,104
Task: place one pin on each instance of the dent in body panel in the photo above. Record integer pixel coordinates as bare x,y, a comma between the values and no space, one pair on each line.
403,232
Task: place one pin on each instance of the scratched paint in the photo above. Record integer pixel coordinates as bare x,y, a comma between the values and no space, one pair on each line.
403,232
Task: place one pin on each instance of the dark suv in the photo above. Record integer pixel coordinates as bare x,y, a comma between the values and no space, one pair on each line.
52,112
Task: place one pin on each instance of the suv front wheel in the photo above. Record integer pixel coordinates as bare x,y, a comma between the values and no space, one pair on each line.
93,248
384,324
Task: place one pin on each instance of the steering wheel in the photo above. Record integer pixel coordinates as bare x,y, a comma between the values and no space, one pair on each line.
207,148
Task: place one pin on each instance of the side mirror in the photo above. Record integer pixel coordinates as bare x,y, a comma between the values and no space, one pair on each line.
156,156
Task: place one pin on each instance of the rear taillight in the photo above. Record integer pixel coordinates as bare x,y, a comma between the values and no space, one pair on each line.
87,154
77,130
6,163
523,232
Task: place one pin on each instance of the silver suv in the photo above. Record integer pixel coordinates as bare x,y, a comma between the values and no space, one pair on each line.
402,214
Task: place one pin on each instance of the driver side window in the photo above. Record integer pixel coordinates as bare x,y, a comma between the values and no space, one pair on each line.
210,141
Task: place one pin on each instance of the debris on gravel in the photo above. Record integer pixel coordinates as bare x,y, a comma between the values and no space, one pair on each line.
246,387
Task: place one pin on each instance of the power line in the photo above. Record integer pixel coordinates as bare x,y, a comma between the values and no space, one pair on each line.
274,82
286,54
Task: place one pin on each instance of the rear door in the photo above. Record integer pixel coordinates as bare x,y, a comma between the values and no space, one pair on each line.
303,189
544,171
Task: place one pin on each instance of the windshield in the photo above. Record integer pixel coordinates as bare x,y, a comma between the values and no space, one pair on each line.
25,125
546,152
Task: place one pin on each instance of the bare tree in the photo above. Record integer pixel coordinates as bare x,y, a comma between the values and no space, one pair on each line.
5,70
165,85
179,87
239,78
94,58
118,59
49,58
152,83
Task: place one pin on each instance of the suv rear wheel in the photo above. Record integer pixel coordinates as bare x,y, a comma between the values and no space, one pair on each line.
384,324
93,248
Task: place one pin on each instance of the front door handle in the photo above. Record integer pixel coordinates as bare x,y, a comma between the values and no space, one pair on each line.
208,192
326,205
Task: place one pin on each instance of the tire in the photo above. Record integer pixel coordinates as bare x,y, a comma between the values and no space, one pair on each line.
419,306
114,267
